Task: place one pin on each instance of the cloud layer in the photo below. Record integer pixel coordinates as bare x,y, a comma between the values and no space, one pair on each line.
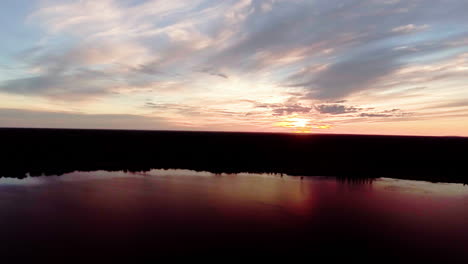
206,60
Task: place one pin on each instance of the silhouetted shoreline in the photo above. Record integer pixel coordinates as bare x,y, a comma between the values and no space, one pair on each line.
37,152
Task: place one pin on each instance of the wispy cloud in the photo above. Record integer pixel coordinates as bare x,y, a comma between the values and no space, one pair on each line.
410,28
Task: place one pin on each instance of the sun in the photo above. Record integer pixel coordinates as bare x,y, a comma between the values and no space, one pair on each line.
299,122
302,125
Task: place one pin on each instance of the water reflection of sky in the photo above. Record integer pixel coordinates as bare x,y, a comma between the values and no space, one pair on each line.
380,184
113,207
421,187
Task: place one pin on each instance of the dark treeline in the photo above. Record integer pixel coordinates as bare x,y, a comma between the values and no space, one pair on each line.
59,151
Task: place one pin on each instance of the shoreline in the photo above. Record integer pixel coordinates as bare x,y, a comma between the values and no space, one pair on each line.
60,151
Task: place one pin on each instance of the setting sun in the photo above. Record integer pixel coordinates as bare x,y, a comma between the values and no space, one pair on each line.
299,125
294,122
299,122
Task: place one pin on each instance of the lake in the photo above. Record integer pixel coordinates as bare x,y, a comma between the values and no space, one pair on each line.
185,212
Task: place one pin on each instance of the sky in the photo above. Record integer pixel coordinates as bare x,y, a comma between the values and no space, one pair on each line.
305,66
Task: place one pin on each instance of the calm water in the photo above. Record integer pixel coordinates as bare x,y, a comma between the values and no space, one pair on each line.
185,212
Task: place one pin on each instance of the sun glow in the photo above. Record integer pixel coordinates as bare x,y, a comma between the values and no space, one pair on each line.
301,125
299,122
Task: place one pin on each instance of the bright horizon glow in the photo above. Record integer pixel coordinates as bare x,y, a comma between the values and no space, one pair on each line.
360,67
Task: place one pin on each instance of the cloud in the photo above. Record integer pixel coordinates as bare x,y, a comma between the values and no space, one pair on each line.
373,115
199,58
84,71
78,85
372,68
49,119
222,75
369,54
396,113
453,104
179,108
350,112
213,72
410,28
192,110
358,72
289,107
335,109
339,50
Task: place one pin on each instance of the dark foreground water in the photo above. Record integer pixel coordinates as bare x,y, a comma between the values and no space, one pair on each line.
112,214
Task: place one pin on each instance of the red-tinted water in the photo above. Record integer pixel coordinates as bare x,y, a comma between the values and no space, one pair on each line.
185,212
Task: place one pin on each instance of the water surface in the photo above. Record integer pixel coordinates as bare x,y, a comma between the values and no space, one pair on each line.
187,212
